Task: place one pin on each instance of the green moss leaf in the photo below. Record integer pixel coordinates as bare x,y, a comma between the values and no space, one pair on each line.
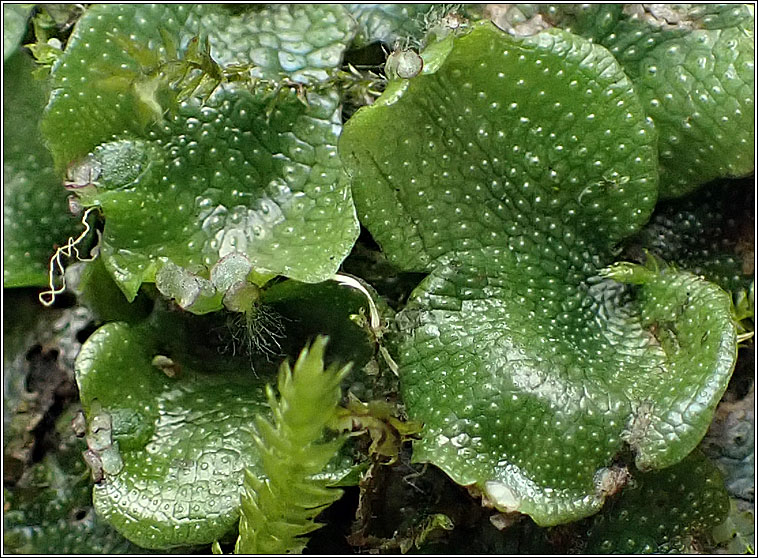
35,211
511,176
278,512
662,511
693,68
252,170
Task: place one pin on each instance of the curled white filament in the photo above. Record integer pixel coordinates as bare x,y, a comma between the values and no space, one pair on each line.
47,298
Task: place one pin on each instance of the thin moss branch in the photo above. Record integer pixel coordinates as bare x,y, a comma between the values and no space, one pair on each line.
279,510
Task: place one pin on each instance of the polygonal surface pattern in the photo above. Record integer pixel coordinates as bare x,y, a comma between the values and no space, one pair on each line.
387,23
661,511
255,172
693,67
510,168
182,441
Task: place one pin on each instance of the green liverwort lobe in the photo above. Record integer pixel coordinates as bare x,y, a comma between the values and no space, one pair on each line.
249,168
170,417
510,169
662,510
35,215
388,23
693,67
171,463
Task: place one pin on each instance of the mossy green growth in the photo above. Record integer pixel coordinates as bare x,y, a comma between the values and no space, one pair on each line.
512,171
517,166
245,168
279,510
